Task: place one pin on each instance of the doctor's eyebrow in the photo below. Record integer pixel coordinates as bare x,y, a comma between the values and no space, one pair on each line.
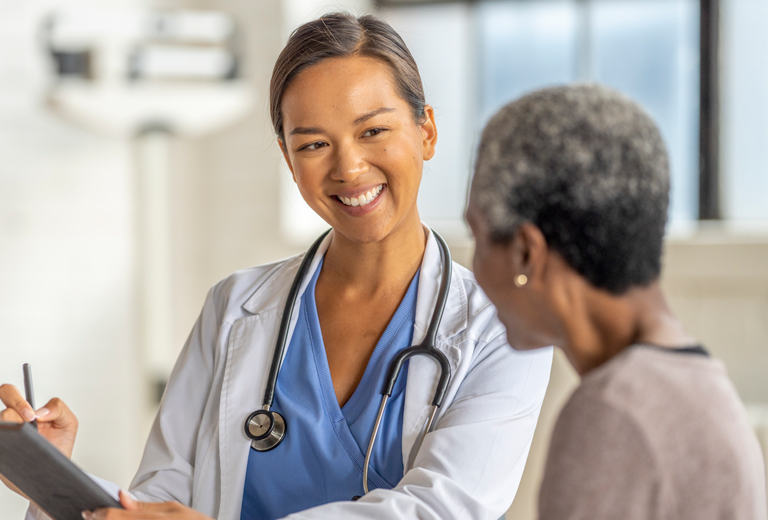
306,130
372,113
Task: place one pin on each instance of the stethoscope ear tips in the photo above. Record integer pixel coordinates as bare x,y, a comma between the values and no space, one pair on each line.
266,429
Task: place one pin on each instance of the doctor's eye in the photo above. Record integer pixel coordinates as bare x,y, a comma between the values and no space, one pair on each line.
313,146
373,131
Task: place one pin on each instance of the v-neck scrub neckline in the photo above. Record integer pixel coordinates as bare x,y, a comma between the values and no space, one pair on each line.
322,456
359,399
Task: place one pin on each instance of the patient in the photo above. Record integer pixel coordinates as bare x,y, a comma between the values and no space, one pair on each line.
568,206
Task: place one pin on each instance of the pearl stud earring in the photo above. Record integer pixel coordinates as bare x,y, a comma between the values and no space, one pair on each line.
521,280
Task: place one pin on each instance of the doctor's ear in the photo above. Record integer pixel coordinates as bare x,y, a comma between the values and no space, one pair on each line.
283,149
529,251
428,132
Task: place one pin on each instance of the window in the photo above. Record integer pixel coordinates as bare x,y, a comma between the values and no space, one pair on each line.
744,106
476,57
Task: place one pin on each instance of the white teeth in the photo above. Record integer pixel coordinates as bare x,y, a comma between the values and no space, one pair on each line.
363,199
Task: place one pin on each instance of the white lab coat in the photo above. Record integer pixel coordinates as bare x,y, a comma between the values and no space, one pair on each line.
469,467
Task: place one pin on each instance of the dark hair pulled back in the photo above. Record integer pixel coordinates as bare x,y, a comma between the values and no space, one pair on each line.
341,35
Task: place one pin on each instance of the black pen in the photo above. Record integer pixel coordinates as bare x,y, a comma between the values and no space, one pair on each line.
27,368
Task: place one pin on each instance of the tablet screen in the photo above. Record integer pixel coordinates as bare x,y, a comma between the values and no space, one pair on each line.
46,476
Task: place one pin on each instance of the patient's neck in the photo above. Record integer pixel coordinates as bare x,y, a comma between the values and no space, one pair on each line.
613,323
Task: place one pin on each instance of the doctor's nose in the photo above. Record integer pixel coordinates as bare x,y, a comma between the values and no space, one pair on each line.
350,164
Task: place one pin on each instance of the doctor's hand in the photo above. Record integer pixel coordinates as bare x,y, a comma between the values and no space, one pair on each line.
145,511
55,421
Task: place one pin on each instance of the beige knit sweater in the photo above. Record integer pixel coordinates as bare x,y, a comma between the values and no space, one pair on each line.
654,434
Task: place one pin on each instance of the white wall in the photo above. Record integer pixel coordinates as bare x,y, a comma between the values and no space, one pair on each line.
66,301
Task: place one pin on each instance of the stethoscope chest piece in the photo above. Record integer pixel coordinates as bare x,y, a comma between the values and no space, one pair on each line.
266,429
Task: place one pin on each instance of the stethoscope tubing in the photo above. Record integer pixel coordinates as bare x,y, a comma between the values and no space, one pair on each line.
285,322
425,348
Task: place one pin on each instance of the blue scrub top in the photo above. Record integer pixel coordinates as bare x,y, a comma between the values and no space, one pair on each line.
322,456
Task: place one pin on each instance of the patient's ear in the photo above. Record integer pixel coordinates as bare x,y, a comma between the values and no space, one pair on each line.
529,252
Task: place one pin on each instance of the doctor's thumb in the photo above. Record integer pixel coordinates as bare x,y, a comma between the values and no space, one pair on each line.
127,501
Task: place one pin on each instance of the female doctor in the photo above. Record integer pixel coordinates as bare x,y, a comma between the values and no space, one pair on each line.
348,109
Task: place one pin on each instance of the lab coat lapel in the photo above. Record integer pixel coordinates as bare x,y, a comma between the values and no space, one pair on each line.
249,356
423,372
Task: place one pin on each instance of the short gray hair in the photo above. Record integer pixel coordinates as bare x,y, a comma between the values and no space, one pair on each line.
589,168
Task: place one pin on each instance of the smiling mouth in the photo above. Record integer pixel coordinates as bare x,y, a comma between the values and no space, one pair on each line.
362,200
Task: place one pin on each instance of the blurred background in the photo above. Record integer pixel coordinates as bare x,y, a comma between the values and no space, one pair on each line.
138,167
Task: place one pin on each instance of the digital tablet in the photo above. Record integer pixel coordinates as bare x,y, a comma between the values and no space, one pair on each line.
46,476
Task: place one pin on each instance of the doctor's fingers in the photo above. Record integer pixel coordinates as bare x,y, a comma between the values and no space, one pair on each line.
58,414
13,400
11,415
58,425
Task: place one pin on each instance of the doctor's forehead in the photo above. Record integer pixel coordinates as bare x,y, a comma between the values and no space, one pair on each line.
340,91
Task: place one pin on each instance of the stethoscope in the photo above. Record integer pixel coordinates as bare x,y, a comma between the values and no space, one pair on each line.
267,428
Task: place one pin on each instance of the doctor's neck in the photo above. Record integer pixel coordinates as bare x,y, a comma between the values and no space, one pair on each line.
378,264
